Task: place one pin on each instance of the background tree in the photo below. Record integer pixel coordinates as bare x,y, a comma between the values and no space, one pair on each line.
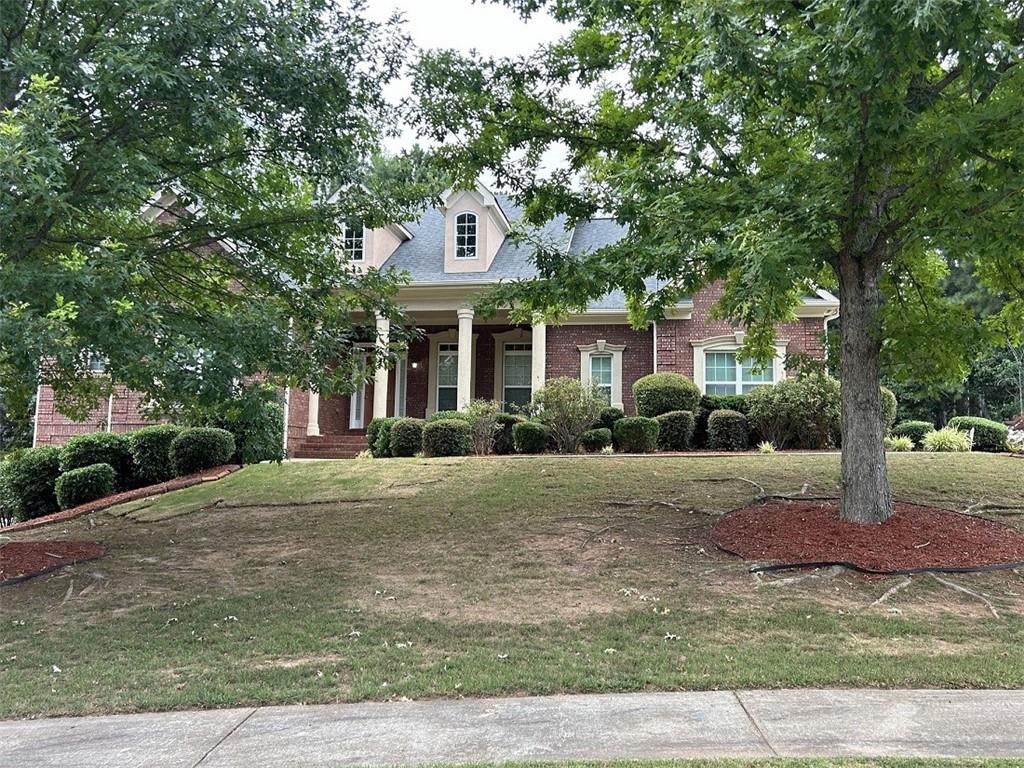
769,145
252,111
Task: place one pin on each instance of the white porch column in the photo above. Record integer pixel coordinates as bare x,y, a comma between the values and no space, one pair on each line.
313,420
465,380
539,358
380,375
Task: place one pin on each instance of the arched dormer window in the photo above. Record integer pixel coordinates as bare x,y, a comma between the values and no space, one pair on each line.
352,242
465,235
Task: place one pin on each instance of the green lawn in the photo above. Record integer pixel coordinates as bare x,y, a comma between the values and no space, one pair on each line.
337,581
769,763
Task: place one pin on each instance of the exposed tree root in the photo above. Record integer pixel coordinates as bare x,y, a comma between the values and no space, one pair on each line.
969,592
892,591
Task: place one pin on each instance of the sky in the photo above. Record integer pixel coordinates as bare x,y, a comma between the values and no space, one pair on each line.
492,30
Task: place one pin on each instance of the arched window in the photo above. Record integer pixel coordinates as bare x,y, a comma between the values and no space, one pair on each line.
352,242
465,236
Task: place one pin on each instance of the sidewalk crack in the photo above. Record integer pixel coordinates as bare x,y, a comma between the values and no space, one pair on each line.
756,725
225,737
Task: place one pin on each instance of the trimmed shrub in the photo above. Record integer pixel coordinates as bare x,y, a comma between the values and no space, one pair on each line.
530,437
594,440
675,430
85,484
708,405
447,437
378,436
609,415
900,444
199,448
947,440
989,435
254,416
636,434
447,415
796,413
406,437
150,448
483,423
99,448
28,480
568,408
728,431
915,430
659,393
889,406
504,441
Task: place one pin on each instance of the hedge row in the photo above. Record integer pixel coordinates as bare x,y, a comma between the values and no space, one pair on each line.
39,481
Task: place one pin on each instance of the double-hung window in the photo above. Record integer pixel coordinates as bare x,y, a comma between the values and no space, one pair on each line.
352,242
465,236
725,374
447,377
518,374
601,375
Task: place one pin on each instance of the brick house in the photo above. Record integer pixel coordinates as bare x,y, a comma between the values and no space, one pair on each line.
453,253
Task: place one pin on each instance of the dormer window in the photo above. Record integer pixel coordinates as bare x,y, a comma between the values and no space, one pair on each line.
465,236
352,242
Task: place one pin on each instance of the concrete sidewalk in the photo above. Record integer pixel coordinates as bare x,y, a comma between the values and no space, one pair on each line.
641,725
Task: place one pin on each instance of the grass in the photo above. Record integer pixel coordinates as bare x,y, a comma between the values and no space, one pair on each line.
344,581
769,763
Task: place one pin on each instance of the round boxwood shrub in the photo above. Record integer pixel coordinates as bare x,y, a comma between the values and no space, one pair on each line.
675,430
530,437
708,405
199,448
636,434
378,436
447,437
728,431
27,482
609,416
406,437
659,393
447,415
889,406
593,440
85,484
99,448
504,440
150,448
989,435
915,430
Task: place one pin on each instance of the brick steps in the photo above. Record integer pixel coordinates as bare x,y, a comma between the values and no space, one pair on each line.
329,447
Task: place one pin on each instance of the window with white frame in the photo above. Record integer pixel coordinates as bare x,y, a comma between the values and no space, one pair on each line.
518,374
352,242
447,377
726,374
465,235
96,363
601,375
401,379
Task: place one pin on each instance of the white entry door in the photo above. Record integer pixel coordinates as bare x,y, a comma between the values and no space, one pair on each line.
357,402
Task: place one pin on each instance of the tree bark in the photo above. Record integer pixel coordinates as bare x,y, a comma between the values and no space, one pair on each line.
866,496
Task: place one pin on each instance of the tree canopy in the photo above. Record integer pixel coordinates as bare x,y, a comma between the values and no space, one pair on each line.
770,145
251,112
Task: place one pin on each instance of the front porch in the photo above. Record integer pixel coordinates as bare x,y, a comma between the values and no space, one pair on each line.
454,362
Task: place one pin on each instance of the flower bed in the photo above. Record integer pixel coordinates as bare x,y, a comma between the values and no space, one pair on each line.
20,560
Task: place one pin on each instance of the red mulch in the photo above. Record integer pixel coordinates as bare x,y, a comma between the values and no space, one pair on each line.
22,559
185,481
915,538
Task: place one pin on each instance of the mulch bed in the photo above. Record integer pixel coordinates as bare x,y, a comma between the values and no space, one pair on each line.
185,481
810,533
20,560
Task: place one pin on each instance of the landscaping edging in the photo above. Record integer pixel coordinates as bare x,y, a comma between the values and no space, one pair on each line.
178,483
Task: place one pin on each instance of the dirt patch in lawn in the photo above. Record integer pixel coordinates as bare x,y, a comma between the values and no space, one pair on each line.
20,560
915,538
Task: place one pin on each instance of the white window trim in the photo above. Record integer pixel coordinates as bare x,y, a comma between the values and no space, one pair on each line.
602,347
515,336
476,236
401,385
359,394
450,336
365,243
732,343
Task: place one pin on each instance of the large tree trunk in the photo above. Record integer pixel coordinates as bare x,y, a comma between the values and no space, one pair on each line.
866,497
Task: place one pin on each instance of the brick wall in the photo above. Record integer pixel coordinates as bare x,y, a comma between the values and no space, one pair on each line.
124,412
563,355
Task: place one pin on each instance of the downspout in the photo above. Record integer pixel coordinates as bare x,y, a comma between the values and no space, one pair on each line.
35,416
655,340
110,413
287,408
